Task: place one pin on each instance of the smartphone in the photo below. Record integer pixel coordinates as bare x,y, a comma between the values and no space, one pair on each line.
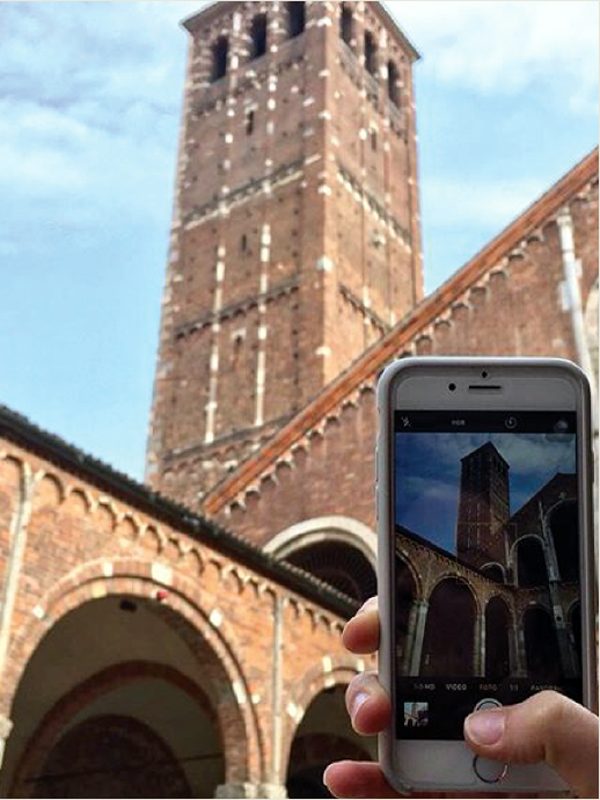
485,567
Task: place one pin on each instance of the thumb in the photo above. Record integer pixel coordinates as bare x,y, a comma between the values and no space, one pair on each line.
547,727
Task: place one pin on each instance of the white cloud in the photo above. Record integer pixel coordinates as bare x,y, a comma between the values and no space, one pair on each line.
504,46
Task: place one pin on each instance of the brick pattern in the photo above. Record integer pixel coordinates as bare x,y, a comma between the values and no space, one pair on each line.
83,544
295,243
508,300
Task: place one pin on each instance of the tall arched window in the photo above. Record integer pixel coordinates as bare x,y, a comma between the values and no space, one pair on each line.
220,51
258,34
563,527
393,82
497,652
449,640
346,26
531,563
296,18
541,646
370,53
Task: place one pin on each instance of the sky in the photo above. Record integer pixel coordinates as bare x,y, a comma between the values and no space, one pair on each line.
428,474
90,100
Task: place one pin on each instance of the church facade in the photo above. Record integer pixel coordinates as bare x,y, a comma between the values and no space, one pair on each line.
182,637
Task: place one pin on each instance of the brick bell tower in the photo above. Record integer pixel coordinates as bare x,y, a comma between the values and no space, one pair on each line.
483,508
296,239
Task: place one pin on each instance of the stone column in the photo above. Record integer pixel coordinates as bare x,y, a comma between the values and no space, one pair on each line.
513,662
568,658
417,648
479,646
519,636
409,639
5,729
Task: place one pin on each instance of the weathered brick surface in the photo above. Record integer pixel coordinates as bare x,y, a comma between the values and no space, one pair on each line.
82,543
295,168
516,309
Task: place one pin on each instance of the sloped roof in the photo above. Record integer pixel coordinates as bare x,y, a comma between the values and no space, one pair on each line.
18,429
399,339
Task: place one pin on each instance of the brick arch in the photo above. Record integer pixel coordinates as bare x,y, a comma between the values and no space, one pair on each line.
314,682
408,560
57,718
461,579
185,613
344,529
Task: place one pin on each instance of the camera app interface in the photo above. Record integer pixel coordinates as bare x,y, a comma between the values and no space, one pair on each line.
486,563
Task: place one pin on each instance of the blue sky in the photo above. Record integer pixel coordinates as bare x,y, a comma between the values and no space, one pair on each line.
428,474
90,97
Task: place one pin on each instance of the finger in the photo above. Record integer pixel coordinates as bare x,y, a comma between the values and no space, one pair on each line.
547,727
368,704
361,634
357,779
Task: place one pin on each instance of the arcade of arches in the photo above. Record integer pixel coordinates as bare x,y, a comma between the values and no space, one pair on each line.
520,619
145,654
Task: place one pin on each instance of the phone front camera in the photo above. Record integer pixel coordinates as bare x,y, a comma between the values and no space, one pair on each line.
484,374
451,386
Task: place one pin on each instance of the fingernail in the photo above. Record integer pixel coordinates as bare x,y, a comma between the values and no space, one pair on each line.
359,699
485,727
368,605
325,776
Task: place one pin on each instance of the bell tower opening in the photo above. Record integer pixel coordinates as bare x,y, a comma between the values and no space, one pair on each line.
304,161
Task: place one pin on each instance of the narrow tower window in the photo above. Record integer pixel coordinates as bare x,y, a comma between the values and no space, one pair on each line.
393,83
296,18
258,33
346,25
244,243
370,53
220,50
249,123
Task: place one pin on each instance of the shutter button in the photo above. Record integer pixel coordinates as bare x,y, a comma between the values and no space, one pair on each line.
487,770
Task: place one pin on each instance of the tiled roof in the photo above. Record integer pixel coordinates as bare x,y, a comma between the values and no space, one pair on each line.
400,338
18,429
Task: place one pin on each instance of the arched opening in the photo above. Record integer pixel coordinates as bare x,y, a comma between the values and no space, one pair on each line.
324,735
406,592
258,35
575,626
128,658
563,527
531,564
449,640
220,51
339,564
346,24
111,755
497,653
296,18
370,53
541,646
494,572
393,83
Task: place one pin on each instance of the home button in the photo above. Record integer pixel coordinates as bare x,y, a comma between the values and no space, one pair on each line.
489,771
487,704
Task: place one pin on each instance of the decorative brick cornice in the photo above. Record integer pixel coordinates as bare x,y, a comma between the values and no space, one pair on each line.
400,339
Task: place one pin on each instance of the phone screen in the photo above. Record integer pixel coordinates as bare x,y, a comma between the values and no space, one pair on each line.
486,564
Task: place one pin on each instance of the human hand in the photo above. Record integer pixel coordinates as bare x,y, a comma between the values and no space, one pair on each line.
547,727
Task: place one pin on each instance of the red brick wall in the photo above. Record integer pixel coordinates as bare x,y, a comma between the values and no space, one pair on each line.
81,544
515,310
281,304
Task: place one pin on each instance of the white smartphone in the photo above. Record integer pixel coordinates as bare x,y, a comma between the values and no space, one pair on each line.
486,566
